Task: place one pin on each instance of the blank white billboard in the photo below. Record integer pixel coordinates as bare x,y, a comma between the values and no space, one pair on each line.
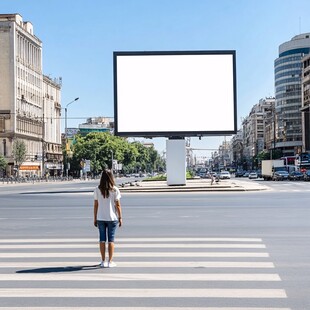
167,94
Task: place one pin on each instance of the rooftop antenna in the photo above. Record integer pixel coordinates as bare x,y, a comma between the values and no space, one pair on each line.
299,25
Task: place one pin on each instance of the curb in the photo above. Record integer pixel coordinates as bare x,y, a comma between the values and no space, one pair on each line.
191,190
141,189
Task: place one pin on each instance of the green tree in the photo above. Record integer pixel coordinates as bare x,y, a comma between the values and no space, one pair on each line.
100,147
263,155
277,153
143,157
19,153
3,163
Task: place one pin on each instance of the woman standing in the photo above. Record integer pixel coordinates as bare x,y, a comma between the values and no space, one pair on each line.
107,214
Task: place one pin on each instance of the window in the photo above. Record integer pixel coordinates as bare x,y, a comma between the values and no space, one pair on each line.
2,124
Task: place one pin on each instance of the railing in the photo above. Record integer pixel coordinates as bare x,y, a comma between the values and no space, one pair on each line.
15,180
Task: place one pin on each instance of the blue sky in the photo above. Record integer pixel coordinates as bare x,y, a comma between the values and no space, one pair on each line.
79,38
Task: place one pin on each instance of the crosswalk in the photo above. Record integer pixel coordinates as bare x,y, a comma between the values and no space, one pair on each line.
151,273
290,186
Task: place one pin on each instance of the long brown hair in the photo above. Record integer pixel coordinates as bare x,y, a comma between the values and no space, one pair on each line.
106,183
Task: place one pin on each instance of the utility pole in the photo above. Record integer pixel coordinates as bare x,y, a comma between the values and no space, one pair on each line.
66,137
112,161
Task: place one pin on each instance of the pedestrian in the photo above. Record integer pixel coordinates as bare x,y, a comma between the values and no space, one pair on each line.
107,214
212,178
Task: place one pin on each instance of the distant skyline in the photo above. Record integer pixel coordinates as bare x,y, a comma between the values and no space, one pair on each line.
79,39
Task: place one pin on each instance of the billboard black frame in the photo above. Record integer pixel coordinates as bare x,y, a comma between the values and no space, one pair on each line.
173,134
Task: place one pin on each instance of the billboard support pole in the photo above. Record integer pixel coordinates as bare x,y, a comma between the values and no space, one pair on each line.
176,161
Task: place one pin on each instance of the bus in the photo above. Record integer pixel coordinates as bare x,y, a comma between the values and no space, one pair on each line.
289,160
290,163
303,162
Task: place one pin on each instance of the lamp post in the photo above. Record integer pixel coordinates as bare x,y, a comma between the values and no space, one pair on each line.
66,135
112,159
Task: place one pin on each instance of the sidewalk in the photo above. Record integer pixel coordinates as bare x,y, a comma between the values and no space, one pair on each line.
29,183
195,185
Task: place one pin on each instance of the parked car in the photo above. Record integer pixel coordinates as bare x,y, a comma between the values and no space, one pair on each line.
296,175
239,173
202,174
307,175
246,174
259,173
280,175
253,175
224,175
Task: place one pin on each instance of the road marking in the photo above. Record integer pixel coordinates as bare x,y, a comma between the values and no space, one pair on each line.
135,249
146,308
140,293
119,240
139,277
136,245
135,254
152,264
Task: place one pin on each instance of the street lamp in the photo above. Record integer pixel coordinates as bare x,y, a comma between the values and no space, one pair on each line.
112,159
66,135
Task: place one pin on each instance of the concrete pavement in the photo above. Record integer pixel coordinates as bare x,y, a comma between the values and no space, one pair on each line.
195,185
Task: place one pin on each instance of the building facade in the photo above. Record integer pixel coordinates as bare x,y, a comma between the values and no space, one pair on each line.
97,124
257,129
52,144
306,105
236,145
23,102
288,94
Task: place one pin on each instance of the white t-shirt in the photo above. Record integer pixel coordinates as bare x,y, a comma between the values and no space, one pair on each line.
106,206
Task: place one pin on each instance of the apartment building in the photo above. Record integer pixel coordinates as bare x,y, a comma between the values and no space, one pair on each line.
257,130
97,124
236,145
29,102
52,144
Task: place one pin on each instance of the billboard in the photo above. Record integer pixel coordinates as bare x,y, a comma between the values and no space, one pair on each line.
175,94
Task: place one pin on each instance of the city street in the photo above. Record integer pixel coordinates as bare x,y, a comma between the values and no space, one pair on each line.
190,250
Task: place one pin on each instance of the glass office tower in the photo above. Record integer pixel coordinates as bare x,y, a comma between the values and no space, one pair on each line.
288,94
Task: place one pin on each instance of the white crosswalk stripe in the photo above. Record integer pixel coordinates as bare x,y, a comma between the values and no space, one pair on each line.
299,186
136,293
131,240
136,254
198,270
151,264
141,277
147,308
144,246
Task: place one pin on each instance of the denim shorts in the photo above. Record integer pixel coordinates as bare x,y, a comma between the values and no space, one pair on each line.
107,227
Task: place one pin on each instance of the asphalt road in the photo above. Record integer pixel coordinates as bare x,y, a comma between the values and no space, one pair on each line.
221,250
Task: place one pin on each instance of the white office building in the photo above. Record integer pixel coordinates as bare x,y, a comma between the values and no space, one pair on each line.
29,103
